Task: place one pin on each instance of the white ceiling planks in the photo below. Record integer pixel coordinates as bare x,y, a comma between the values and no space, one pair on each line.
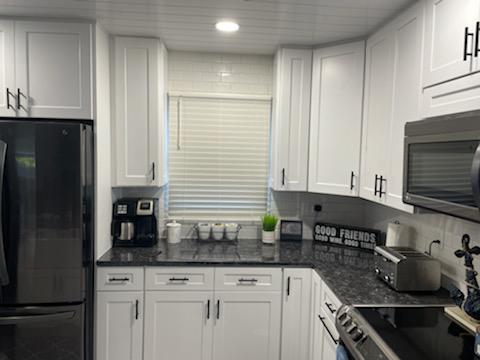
189,24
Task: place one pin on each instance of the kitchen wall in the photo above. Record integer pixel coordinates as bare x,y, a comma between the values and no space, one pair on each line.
426,226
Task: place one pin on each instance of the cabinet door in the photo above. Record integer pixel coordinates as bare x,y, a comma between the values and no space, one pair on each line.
377,112
336,119
247,325
444,39
139,116
316,326
119,325
296,314
178,325
7,70
291,117
53,69
329,348
407,91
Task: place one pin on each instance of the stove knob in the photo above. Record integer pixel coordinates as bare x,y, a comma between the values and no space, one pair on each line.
377,271
345,320
351,328
356,335
386,278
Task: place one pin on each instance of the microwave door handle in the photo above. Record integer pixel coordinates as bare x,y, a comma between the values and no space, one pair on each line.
4,279
475,176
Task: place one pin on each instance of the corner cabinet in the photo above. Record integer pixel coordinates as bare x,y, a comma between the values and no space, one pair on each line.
336,119
46,69
290,119
392,98
139,126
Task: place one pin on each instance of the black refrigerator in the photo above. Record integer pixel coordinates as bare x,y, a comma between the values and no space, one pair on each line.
46,239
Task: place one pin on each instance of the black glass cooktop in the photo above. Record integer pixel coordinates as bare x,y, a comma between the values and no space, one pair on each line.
421,333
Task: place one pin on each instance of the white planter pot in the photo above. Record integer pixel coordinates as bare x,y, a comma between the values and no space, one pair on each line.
268,237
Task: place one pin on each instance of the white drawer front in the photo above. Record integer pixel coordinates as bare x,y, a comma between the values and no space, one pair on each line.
326,323
269,279
329,303
179,278
119,278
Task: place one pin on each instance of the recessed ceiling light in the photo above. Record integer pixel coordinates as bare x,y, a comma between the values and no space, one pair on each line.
227,26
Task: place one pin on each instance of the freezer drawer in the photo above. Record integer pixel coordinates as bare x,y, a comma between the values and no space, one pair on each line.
43,333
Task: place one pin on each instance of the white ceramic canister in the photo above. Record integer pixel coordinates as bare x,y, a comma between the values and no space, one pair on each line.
174,232
218,229
204,230
231,231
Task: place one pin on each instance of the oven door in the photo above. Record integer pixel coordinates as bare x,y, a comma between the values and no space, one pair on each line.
442,173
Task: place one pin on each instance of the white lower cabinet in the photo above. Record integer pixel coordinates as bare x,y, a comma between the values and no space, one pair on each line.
296,314
247,325
119,325
244,322
179,325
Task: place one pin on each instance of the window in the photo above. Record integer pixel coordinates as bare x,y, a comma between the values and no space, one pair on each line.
218,158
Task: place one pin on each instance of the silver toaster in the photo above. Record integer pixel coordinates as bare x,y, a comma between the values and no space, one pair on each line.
406,269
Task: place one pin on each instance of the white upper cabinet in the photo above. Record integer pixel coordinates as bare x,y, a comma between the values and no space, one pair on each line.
336,119
8,104
445,25
377,113
139,133
53,69
407,88
247,325
392,98
291,117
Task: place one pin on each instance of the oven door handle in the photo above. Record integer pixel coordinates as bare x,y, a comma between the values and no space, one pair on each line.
4,278
475,176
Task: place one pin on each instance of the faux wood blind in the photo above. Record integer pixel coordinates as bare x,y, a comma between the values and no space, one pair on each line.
218,158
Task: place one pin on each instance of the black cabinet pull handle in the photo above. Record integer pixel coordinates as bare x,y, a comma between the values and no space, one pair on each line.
330,308
322,319
288,286
9,106
466,54
178,279
19,96
136,309
477,39
381,192
153,171
352,176
375,192
218,309
208,309
247,280
118,279
283,177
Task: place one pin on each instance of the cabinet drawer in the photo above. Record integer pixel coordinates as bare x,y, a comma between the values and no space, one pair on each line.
119,278
179,278
329,303
267,279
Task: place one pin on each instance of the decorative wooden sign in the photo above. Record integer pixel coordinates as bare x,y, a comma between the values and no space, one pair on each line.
350,236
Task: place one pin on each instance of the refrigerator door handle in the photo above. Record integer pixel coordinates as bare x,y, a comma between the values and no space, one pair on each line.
23,319
4,279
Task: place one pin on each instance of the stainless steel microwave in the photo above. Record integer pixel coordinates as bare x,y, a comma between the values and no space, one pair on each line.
442,164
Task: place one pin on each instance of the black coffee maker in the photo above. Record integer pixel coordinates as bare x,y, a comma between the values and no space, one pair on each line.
134,222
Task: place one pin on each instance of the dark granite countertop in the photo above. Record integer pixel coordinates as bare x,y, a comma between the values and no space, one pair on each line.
348,272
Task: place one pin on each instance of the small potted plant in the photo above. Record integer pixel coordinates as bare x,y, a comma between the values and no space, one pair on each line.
269,223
